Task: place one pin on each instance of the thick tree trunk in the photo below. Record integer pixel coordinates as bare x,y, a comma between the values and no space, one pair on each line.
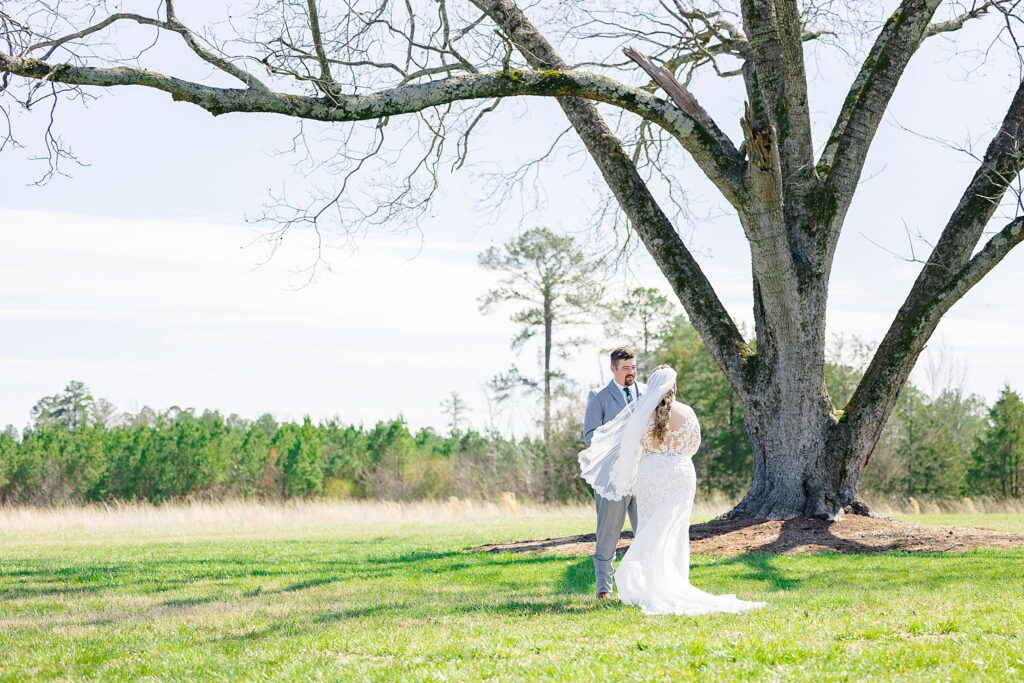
786,451
801,465
805,461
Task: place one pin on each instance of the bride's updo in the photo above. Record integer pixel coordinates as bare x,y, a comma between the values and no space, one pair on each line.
663,411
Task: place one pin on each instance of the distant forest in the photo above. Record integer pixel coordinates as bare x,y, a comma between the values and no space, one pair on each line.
80,448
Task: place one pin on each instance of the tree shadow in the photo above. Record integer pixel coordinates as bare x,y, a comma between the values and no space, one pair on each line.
192,602
538,606
578,578
799,534
64,589
563,544
760,568
795,535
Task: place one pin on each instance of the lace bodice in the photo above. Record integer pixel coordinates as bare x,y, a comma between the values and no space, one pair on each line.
684,440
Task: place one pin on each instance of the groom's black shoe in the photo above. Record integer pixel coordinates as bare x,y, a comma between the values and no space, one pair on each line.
605,595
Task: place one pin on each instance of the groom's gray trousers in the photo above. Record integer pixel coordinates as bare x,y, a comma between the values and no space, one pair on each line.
602,407
611,515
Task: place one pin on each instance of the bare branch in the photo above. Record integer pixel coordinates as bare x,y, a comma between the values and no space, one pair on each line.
957,22
950,271
698,297
206,55
842,160
172,24
985,260
327,81
406,99
55,43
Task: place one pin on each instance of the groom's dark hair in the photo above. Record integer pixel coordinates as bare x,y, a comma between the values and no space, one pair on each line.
622,353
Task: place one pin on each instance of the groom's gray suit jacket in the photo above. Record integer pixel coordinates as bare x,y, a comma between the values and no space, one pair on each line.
603,406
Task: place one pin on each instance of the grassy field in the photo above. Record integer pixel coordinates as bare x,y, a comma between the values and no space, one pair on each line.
377,592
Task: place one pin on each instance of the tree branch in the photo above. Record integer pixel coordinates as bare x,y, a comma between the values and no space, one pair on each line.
680,95
842,160
216,60
957,22
327,81
949,273
172,24
985,260
55,43
398,100
873,401
708,315
775,38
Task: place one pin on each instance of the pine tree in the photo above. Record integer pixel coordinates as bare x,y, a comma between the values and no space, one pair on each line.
997,465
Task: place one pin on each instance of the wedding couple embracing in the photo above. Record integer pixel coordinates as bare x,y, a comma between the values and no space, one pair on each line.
640,442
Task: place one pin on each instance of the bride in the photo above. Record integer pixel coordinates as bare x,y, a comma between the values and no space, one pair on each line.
646,451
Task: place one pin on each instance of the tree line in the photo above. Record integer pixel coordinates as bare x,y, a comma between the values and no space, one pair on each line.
79,450
73,453
942,442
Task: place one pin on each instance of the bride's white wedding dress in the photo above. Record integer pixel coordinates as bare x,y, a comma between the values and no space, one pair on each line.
655,572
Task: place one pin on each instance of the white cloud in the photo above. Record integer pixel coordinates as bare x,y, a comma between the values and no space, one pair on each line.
164,312
171,312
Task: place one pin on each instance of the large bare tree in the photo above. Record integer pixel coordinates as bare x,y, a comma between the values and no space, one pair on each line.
448,64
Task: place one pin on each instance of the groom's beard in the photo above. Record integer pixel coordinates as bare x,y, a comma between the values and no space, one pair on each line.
628,381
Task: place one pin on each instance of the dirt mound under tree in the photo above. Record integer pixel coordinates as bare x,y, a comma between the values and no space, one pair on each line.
847,534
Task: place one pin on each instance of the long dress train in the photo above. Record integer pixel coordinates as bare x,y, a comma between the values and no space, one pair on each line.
655,572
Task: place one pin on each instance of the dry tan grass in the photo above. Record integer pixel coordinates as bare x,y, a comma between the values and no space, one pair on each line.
321,515
291,516
259,516
909,505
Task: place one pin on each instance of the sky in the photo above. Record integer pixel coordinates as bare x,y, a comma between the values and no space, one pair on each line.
142,274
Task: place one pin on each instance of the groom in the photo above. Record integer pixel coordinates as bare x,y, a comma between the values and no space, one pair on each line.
602,407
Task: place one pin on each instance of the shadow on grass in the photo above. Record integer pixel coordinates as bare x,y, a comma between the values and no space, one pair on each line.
767,563
761,563
19,580
428,584
428,607
760,568
300,626
192,602
795,534
61,588
578,578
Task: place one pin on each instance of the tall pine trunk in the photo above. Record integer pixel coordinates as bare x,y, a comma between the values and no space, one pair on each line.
548,464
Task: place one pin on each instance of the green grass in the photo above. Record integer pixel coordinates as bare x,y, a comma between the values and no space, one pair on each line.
404,601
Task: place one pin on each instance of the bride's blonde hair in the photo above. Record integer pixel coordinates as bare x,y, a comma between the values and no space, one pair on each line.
663,412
